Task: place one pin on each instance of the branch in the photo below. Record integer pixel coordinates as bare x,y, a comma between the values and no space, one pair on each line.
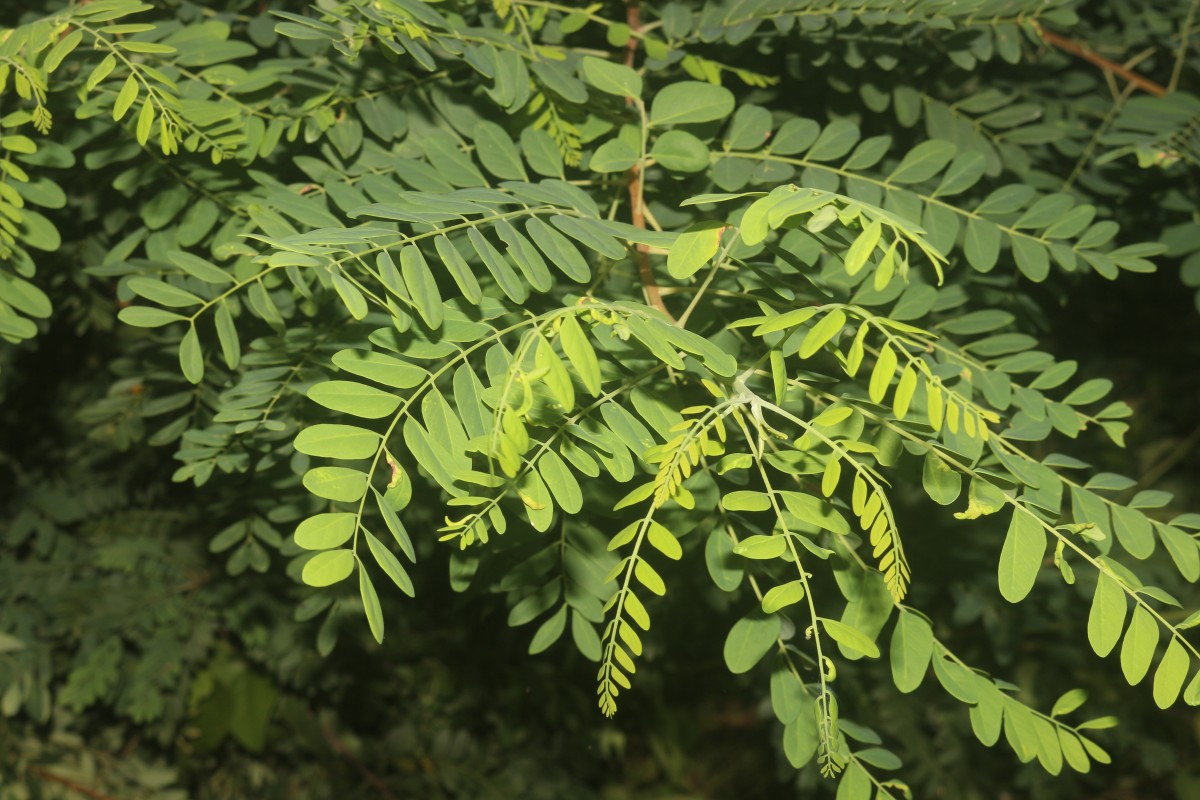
637,202
1088,54
70,784
339,747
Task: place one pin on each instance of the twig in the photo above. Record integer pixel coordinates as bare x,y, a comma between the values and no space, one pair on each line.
637,201
1167,462
1088,54
1185,35
339,747
46,775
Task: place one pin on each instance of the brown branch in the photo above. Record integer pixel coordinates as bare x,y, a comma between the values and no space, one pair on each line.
70,784
340,748
637,201
1090,55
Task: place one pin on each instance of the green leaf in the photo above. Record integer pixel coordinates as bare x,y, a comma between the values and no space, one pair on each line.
354,398
145,124
371,607
835,141
680,151
191,360
326,531
328,568
690,101
380,368
801,740
942,483
147,317
911,651
1021,557
586,639
62,49
390,565
336,483
497,152
719,559
615,155
611,78
386,505
1172,672
1137,651
337,441
227,335
855,784
561,482
163,293
1106,620
559,250
549,631
923,162
422,286
1134,531
647,576
749,640
1033,259
580,353
694,248
850,638
459,270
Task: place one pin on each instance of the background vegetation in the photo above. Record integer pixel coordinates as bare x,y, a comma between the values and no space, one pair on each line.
157,638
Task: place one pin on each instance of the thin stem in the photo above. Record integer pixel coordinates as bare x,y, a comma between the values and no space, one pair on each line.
1185,36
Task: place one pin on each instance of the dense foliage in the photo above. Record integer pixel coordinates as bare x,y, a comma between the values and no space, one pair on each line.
759,319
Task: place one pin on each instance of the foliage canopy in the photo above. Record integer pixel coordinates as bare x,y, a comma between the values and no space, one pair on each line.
561,295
